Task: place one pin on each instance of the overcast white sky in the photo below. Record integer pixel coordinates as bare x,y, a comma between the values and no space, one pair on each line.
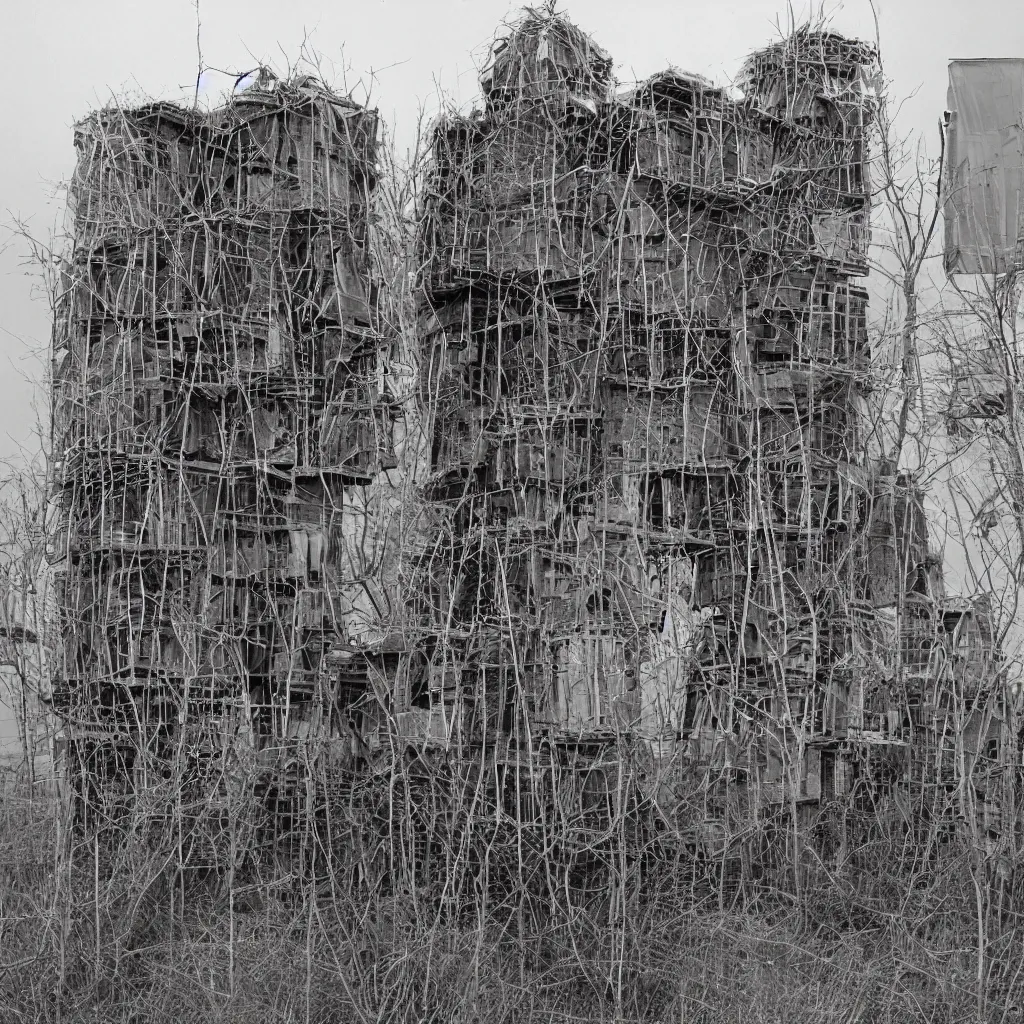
64,57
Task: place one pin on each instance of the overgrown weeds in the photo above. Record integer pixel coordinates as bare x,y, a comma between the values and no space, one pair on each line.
90,935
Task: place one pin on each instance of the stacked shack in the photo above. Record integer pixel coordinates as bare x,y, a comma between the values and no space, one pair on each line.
217,409
645,358
660,564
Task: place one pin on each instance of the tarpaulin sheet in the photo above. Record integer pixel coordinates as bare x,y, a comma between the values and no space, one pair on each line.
985,161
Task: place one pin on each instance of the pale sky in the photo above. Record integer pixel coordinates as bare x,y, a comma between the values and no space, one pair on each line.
65,57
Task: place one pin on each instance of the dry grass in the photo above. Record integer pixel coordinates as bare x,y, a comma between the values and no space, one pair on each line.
87,938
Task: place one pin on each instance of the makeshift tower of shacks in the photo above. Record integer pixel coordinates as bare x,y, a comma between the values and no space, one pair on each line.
660,533
217,407
662,562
